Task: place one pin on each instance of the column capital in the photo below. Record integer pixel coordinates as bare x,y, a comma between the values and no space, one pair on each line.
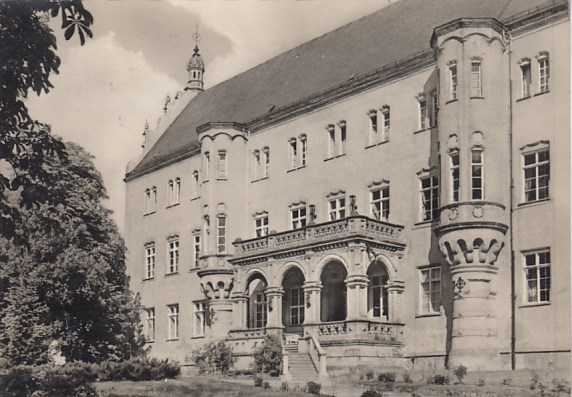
397,286
357,280
239,296
310,286
274,291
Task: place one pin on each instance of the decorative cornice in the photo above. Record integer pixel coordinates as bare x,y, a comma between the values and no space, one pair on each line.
541,143
463,23
211,125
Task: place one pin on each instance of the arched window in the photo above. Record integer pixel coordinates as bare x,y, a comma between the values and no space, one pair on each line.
333,298
257,305
293,301
377,296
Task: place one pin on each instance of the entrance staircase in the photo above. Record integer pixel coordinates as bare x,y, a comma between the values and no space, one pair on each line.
300,365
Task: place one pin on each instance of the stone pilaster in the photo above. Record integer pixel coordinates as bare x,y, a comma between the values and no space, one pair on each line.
312,293
274,299
239,310
357,297
394,291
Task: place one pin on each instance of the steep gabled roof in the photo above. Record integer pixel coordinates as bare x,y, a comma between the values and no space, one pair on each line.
358,48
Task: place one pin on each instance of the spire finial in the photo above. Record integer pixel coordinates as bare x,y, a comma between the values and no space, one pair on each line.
197,38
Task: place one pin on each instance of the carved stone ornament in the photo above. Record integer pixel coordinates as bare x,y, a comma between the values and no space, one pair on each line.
453,213
478,211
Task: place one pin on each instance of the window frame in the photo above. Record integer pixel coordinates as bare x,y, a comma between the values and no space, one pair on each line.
221,233
385,123
150,261
332,147
303,150
434,121
453,81
173,255
543,61
196,185
302,219
383,201
199,318
455,176
261,225
373,126
196,248
222,165
150,321
422,112
427,306
536,165
173,322
433,199
537,269
207,165
266,163
477,91
474,175
339,210
525,67
297,311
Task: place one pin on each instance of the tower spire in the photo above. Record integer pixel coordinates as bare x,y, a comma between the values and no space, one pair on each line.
196,66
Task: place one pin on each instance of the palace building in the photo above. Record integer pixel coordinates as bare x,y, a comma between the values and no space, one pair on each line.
394,192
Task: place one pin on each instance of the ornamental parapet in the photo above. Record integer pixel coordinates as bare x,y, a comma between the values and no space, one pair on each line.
357,330
321,236
250,333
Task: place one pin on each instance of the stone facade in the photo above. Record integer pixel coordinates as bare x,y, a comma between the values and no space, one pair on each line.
419,220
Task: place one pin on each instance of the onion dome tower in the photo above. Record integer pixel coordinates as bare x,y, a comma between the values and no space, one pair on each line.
195,67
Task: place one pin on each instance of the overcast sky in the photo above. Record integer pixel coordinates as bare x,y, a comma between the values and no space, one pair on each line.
108,88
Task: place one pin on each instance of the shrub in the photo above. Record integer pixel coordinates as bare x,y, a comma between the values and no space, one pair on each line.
266,385
313,388
137,369
72,379
481,382
507,381
460,372
387,377
258,381
285,386
369,374
214,357
268,356
407,378
370,393
559,386
439,380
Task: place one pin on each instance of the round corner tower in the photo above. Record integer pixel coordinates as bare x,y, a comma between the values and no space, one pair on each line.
472,61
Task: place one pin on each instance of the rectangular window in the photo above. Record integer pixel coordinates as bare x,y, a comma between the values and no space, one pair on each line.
173,327
259,305
147,202
150,261
536,175
337,208
434,109
543,73
150,324
430,293
221,234
343,136
196,248
266,167
173,251
296,306
455,176
221,164
386,123
195,187
153,202
261,226
298,217
422,114
537,271
477,180
453,80
331,141
379,296
207,166
526,79
293,153
430,198
372,127
303,150
199,323
256,165
171,192
177,191
380,203
476,84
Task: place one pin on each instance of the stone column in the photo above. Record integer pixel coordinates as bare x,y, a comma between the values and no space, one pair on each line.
239,310
274,302
394,291
312,293
357,297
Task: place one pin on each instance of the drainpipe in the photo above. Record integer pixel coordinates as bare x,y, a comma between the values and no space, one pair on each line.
511,214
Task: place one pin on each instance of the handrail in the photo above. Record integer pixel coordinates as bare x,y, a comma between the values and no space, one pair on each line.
318,356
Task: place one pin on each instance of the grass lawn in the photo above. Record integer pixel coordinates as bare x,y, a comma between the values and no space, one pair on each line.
193,387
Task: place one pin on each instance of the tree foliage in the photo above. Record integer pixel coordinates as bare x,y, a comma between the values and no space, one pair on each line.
67,285
268,356
27,60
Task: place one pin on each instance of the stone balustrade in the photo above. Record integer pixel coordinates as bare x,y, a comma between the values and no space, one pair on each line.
250,333
357,330
350,227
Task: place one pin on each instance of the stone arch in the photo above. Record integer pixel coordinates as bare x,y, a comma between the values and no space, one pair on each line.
317,273
255,286
288,266
333,302
250,275
387,263
293,298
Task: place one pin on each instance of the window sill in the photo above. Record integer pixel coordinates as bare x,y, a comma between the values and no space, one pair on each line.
221,179
194,269
172,205
291,170
421,130
451,101
171,274
425,224
172,340
148,279
149,341
335,157
195,198
432,314
260,179
542,93
477,97
532,203
523,98
198,337
377,144
149,213
534,304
